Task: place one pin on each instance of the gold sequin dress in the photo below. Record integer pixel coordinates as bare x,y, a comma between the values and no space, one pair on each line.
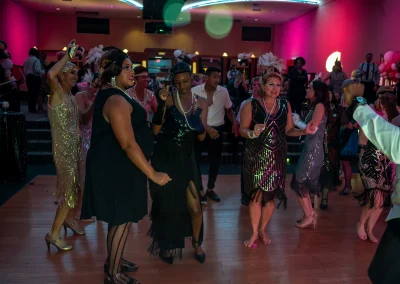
64,123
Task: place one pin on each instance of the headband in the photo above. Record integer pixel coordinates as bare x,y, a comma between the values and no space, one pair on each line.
68,67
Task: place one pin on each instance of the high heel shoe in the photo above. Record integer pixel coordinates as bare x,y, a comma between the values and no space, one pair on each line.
57,244
120,278
199,257
75,230
167,259
126,266
323,206
311,222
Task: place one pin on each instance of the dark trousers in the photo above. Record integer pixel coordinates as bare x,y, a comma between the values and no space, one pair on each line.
385,266
214,150
369,93
33,82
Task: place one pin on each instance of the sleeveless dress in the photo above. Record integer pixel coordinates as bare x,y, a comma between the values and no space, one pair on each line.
308,169
115,189
336,81
174,155
64,125
86,134
264,158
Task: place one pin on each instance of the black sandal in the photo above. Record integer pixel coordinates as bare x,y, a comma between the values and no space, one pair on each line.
199,257
120,278
126,266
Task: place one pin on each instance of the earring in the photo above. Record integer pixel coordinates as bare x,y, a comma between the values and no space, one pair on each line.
113,81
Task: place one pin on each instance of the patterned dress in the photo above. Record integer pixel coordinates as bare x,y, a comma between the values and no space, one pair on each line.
264,158
306,177
64,123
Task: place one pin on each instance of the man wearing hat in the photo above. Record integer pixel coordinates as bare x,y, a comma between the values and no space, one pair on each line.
385,136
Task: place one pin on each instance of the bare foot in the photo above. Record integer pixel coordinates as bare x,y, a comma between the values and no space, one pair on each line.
249,243
264,238
371,237
361,232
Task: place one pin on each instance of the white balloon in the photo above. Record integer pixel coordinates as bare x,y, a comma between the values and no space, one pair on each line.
177,53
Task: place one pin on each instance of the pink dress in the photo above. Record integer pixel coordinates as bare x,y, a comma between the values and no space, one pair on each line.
149,100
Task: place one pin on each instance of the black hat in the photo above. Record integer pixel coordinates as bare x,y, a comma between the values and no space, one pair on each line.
180,67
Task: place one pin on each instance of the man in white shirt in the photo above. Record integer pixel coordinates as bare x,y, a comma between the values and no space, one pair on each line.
219,105
369,73
33,71
385,266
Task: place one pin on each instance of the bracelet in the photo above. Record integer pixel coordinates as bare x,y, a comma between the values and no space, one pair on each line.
252,135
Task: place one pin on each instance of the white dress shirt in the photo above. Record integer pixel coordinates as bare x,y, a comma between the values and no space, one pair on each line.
221,101
386,137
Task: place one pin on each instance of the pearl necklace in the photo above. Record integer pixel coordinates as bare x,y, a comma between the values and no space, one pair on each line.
181,107
118,88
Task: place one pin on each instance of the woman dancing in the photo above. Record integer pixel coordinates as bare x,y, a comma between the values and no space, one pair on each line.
117,164
176,211
377,173
85,100
305,179
64,123
265,121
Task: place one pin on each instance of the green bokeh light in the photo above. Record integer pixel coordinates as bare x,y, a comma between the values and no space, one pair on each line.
219,22
172,13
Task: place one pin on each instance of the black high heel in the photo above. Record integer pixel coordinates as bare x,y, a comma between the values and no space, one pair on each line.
167,259
323,206
126,266
118,278
199,257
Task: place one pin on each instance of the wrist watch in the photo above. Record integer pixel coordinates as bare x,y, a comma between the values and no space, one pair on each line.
356,102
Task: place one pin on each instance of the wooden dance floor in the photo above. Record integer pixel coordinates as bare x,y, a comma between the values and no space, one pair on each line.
330,254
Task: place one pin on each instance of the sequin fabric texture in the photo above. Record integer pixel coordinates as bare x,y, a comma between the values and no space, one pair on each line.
264,160
64,123
312,156
86,134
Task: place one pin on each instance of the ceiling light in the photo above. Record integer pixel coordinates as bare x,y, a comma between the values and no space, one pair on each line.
256,20
134,3
216,2
225,54
125,50
138,16
253,56
64,48
58,9
197,53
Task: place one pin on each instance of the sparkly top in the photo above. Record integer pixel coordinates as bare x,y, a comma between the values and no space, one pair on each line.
64,123
176,129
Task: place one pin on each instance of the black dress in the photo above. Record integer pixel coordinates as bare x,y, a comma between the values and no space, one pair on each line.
174,155
264,158
115,189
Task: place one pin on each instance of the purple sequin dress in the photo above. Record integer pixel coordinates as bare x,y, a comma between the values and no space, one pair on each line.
308,169
264,158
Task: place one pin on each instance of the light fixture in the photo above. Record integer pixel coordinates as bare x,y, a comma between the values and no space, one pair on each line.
144,63
125,50
64,48
194,67
252,56
330,61
138,17
256,20
288,160
225,54
58,9
161,53
134,3
197,53
35,47
217,2
158,57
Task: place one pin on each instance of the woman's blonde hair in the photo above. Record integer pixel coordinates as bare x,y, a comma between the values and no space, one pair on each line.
264,79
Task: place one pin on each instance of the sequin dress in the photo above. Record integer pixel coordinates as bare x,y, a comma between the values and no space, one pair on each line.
64,124
306,177
86,134
174,155
115,189
264,158
377,173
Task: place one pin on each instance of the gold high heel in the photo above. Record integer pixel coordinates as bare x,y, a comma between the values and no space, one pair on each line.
73,229
63,247
312,222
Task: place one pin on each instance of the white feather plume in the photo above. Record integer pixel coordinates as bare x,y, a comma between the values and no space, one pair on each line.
94,55
269,59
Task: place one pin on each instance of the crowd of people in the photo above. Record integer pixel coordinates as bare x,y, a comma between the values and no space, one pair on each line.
115,139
